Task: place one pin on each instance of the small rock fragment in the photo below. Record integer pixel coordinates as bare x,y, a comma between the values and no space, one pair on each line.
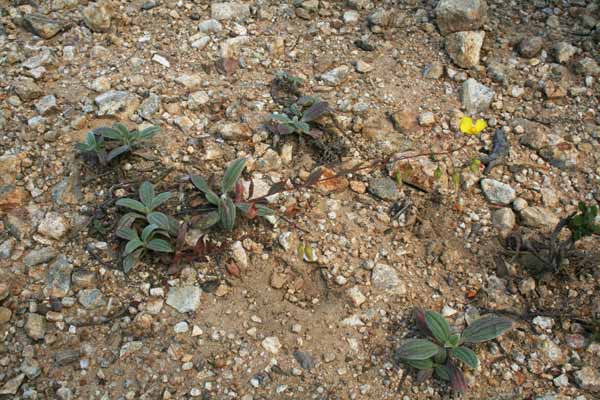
497,192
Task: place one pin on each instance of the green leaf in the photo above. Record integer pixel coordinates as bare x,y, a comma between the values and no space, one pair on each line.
263,211
486,328
232,174
303,127
108,133
442,372
281,118
204,188
465,355
147,231
160,220
147,193
159,199
123,130
441,356
133,204
149,132
160,245
127,233
130,260
127,220
114,153
417,349
132,245
203,222
453,340
437,325
420,364
227,213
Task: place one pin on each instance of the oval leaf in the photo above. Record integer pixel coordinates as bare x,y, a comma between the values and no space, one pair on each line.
227,213
465,355
133,204
159,199
108,133
146,193
442,372
127,220
457,378
149,132
437,325
160,220
160,245
127,233
132,245
147,231
417,349
204,188
420,364
232,174
315,111
114,153
486,328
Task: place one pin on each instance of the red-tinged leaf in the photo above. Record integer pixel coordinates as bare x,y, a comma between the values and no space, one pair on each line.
183,228
314,177
251,213
421,323
457,378
239,192
234,270
315,111
251,189
315,134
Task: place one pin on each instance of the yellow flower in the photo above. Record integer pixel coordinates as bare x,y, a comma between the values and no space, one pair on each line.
469,128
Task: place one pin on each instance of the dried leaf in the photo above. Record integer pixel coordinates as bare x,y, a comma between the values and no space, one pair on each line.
233,269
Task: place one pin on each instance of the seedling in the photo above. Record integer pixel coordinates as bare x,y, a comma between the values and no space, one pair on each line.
222,207
154,224
584,223
442,352
109,143
297,118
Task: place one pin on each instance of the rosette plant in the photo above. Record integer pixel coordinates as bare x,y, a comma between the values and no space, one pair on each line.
444,351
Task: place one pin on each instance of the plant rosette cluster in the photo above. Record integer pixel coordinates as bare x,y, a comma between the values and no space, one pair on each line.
223,207
442,352
298,117
157,228
109,143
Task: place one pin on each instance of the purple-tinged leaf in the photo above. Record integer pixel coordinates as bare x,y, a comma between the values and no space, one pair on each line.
315,111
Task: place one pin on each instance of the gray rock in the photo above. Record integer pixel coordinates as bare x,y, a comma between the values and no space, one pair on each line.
380,17
351,17
210,26
434,70
97,17
150,106
184,298
497,192
44,57
476,97
130,348
6,248
230,10
64,393
83,279
386,278
27,89
31,368
587,66
464,48
460,15
336,76
384,188
232,130
530,46
304,359
12,385
588,378
563,52
39,256
197,99
181,327
271,344
59,277
5,315
563,157
504,220
53,225
113,102
35,326
42,26
46,104
538,217
91,298
66,357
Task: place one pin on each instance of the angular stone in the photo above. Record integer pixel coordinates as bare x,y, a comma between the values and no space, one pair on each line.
197,99
39,256
476,97
27,89
12,197
42,26
115,101
150,106
386,278
97,17
35,327
12,385
5,315
44,57
83,279
229,10
538,217
91,298
210,26
464,47
385,189
587,66
504,220
184,298
460,15
271,344
497,192
190,81
232,130
59,277
530,46
305,360
588,378
336,76
53,225
129,348
329,183
356,296
46,104
563,51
